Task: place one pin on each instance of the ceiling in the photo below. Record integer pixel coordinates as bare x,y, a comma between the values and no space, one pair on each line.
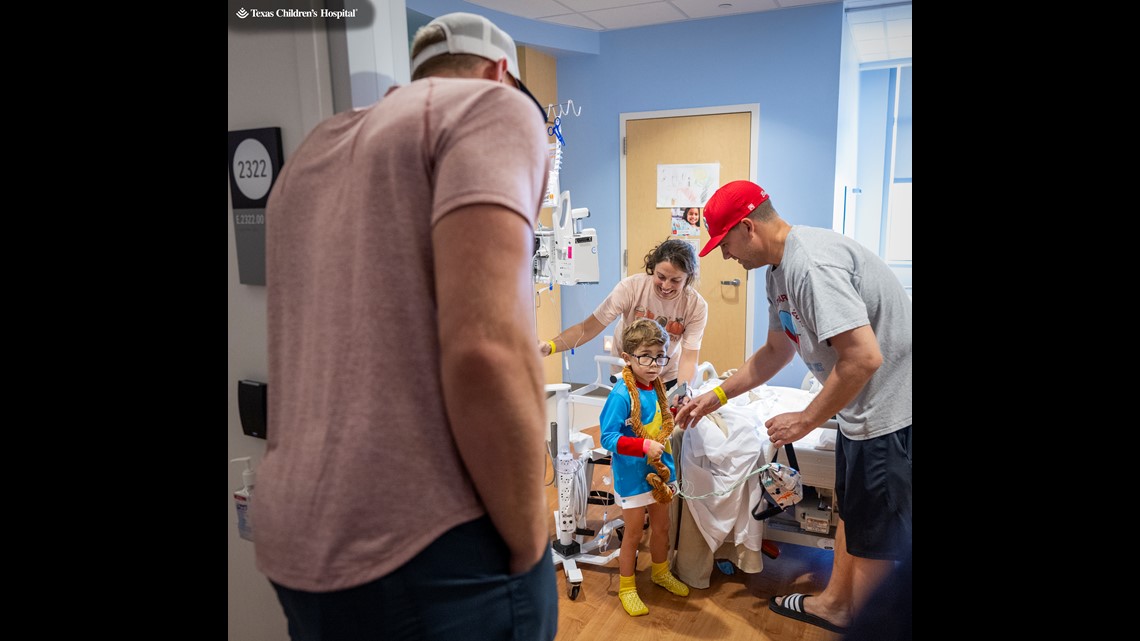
880,28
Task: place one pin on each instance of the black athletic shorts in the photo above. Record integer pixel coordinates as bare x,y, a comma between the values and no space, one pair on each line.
873,491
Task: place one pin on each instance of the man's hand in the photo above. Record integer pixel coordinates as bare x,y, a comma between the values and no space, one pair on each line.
787,428
696,409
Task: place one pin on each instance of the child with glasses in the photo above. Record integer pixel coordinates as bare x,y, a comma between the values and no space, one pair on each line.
635,427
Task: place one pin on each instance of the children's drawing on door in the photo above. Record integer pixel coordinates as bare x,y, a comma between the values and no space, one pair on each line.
686,185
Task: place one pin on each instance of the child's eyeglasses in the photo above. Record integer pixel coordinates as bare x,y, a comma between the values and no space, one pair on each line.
646,360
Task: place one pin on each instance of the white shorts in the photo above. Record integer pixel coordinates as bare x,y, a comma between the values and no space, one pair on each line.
637,500
640,500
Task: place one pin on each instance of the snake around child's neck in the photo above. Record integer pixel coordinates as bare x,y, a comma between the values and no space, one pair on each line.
658,479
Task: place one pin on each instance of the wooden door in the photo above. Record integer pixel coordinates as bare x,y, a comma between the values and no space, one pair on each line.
723,138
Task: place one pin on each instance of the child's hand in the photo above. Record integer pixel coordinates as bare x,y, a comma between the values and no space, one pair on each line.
653,449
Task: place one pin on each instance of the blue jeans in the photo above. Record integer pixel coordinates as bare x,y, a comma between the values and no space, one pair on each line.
457,588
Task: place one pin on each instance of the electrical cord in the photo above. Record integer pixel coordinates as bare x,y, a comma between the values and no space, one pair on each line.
579,493
553,472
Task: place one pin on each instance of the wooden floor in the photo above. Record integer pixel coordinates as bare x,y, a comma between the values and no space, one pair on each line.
732,608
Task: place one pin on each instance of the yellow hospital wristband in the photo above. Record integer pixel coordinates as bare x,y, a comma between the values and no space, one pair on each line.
720,394
553,347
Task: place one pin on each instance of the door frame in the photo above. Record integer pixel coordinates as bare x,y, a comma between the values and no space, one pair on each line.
754,146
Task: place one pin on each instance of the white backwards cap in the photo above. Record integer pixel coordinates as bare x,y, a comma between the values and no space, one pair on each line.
475,35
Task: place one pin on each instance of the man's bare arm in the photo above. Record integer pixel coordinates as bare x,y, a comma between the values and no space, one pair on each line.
491,375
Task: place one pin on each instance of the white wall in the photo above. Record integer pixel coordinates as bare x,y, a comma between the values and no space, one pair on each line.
278,77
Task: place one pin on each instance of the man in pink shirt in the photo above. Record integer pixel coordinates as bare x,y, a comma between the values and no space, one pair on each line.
401,494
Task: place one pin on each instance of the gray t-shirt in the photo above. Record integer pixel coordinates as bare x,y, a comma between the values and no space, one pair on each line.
828,284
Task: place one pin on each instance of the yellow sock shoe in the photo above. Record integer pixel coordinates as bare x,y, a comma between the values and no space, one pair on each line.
630,600
663,577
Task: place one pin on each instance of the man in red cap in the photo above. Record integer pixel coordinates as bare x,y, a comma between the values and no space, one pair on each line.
840,307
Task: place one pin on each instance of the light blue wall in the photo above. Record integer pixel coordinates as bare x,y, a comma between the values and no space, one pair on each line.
787,61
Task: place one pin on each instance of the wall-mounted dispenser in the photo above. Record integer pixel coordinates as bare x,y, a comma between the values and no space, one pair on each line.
242,498
252,408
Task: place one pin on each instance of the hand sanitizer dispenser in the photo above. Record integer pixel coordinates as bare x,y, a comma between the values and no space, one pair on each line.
242,498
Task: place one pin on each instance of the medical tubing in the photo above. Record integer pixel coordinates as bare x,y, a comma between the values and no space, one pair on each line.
554,346
681,493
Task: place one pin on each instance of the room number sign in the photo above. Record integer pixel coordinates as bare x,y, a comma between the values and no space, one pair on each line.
255,160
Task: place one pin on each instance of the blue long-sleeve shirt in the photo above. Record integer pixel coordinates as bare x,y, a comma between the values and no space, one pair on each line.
630,471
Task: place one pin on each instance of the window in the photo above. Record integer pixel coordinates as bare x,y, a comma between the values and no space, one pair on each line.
883,207
896,242
898,223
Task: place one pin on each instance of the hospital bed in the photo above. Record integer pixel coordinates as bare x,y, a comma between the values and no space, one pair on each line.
810,522
729,446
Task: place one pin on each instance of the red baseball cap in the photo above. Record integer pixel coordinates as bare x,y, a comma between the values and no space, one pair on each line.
728,206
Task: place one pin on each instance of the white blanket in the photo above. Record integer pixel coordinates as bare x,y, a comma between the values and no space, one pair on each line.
723,448
713,460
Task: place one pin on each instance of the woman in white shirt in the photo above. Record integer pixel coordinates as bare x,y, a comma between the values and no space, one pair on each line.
666,293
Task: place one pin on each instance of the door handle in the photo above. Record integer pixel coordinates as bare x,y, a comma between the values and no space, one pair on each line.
735,282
